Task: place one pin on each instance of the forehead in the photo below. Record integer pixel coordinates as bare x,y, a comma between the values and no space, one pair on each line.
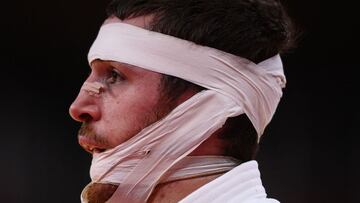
141,21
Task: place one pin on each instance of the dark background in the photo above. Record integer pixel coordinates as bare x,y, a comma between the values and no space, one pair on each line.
309,152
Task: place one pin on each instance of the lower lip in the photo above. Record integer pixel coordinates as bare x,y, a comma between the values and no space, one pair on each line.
85,141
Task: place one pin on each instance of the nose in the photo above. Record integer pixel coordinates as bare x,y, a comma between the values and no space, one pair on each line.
85,108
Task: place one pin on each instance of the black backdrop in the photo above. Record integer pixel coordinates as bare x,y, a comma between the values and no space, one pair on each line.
309,152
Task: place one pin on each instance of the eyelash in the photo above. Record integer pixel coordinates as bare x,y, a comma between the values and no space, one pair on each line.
114,76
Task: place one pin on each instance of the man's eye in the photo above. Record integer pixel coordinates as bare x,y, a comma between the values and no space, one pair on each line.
114,77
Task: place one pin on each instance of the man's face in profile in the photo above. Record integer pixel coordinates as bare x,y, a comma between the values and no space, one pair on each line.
131,101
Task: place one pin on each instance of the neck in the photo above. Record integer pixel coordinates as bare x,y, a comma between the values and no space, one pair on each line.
213,146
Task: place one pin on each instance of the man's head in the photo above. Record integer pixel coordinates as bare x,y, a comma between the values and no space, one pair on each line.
135,98
252,29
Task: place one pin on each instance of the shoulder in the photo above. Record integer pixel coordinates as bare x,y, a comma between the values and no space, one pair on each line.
242,184
177,190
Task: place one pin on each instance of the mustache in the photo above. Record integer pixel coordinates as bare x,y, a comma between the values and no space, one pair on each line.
86,130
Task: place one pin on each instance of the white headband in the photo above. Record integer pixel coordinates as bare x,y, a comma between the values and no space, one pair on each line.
235,86
255,88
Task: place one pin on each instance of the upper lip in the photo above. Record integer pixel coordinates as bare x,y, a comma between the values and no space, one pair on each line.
90,145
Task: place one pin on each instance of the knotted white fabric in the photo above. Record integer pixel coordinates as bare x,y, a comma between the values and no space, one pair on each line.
234,86
188,167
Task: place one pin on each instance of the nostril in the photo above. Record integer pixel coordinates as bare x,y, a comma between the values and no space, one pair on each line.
85,117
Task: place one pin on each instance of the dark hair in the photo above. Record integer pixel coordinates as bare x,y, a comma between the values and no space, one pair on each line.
252,29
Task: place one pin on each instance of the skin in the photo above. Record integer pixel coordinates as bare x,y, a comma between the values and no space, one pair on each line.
130,101
104,122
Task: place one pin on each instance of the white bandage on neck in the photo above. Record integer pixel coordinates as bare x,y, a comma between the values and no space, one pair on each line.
234,86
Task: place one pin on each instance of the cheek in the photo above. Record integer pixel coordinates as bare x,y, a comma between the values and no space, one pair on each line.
123,119
118,125
128,111
125,109
117,114
136,100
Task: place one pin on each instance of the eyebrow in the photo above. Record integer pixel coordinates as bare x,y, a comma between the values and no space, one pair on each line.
129,68
126,65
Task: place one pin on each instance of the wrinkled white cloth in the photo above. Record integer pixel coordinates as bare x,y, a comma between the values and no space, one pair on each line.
189,167
234,86
240,185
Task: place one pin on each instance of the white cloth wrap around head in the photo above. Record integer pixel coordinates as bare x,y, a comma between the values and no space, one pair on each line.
234,86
